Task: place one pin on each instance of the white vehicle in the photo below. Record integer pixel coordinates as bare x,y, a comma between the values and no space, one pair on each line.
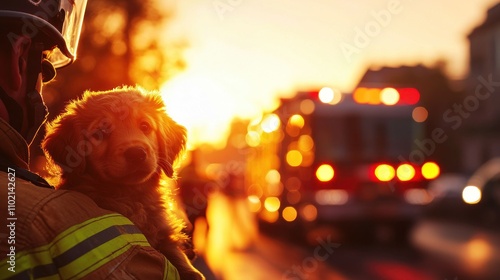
461,233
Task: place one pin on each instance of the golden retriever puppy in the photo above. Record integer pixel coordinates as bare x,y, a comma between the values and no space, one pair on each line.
116,147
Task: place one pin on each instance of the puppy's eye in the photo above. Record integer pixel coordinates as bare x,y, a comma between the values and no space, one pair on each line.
145,127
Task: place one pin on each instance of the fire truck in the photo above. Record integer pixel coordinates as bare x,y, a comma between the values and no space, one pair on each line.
327,158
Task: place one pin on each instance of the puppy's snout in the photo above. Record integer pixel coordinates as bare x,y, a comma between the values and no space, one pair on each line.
135,154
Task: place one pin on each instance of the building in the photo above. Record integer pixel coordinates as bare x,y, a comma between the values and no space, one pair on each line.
480,114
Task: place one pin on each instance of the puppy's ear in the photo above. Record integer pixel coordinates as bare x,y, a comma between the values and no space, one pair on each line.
171,141
64,145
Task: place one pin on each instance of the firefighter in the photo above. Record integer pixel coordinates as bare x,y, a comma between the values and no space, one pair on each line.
46,233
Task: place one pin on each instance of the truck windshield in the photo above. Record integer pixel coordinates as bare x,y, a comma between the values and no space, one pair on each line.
354,138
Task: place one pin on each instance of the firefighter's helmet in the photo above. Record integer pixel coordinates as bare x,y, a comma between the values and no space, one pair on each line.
56,23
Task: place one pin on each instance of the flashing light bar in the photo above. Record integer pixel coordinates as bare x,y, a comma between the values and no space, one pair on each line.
386,96
404,172
384,172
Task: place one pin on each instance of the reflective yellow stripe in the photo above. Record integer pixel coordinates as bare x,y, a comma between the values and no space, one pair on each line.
101,255
171,272
79,250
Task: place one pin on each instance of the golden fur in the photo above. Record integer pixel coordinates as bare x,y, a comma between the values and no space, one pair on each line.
116,147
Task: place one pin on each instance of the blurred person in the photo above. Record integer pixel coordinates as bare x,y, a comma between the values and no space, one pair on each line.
47,233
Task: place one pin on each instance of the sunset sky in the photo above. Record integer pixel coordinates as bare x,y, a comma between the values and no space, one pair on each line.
244,54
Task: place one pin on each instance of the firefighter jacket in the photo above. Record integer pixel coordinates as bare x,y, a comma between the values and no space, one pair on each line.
48,234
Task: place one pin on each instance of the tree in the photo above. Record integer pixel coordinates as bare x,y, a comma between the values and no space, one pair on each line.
122,43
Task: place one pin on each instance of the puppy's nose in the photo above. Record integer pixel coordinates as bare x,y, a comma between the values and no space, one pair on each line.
135,154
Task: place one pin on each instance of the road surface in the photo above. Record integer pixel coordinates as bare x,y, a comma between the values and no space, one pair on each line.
233,249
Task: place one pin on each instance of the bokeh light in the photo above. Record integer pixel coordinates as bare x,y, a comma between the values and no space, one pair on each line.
272,204
405,172
270,123
273,176
254,203
305,143
325,173
296,120
329,96
307,107
384,172
471,195
294,158
420,114
289,214
430,170
309,213
389,96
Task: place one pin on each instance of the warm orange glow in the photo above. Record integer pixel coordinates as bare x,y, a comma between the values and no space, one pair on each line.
274,189
389,96
252,138
274,65
478,252
309,213
360,95
254,203
270,123
200,234
273,176
202,106
405,172
371,96
272,204
325,173
420,114
430,170
270,217
294,125
306,143
294,158
289,214
385,172
329,96
307,107
296,120
307,159
374,96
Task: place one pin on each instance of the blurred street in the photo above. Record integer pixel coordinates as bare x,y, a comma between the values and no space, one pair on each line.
235,250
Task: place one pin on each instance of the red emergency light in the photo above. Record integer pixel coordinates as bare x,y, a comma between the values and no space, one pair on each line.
408,96
395,96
